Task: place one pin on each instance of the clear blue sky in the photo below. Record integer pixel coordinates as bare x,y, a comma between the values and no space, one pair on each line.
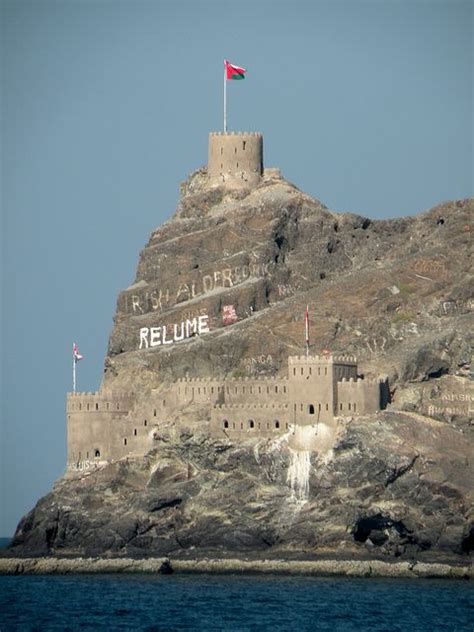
106,107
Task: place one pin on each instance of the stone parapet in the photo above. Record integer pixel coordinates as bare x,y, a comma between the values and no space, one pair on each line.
322,359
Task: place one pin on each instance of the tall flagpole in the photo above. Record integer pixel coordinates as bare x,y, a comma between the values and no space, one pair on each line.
306,328
73,370
225,97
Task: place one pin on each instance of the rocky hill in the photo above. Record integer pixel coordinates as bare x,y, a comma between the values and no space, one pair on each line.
396,293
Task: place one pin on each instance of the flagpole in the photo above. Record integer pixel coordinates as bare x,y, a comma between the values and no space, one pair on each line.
225,98
307,330
73,370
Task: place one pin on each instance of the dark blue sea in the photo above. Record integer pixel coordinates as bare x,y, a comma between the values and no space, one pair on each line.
233,602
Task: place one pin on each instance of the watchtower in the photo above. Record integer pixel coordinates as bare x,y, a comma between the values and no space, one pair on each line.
235,158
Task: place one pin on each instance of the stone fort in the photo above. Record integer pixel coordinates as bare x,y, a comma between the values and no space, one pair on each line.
318,390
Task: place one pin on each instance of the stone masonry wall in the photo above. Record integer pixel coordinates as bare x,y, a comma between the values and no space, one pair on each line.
235,157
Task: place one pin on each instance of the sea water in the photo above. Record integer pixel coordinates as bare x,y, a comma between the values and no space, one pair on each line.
233,602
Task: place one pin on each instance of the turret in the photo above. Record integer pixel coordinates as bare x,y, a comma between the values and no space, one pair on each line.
235,158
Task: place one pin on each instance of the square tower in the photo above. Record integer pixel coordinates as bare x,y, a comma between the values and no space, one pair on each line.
312,387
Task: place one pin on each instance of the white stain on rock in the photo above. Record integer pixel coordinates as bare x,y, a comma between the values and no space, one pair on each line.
298,473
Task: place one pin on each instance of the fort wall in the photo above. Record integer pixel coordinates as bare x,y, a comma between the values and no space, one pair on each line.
235,157
358,396
106,425
242,420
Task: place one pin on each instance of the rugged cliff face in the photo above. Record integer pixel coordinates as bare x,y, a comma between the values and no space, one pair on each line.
396,293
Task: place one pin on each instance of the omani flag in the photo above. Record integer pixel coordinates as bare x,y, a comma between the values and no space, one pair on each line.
234,72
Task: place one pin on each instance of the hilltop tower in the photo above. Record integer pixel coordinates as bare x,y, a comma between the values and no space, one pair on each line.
235,158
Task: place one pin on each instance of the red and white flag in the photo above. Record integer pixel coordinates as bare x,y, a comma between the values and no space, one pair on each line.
234,72
306,325
75,353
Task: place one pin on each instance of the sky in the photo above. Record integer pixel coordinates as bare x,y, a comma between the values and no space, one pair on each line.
105,108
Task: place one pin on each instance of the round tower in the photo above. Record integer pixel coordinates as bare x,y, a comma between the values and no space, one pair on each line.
235,158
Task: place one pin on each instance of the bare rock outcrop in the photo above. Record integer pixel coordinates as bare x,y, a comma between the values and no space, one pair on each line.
396,293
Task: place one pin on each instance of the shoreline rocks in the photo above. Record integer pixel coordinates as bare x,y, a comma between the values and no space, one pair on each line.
321,568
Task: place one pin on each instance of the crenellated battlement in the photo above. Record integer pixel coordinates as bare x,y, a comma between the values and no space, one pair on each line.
232,134
102,395
208,380
363,381
100,402
251,406
322,359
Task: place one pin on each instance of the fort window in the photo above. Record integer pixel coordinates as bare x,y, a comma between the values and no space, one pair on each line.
118,406
226,423
277,423
259,389
302,370
80,406
251,423
327,406
295,407
87,406
241,425
97,406
340,406
325,371
87,455
301,406
268,389
212,390
236,389
243,144
276,389
222,151
125,442
237,165
319,407
154,412
354,407
233,425
107,405
134,432
235,150
258,424
199,390
311,409
310,370
268,425
251,389
145,422
284,389
294,371
349,406
97,453
286,425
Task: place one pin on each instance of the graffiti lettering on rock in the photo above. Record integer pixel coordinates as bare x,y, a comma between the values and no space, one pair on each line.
167,335
158,299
